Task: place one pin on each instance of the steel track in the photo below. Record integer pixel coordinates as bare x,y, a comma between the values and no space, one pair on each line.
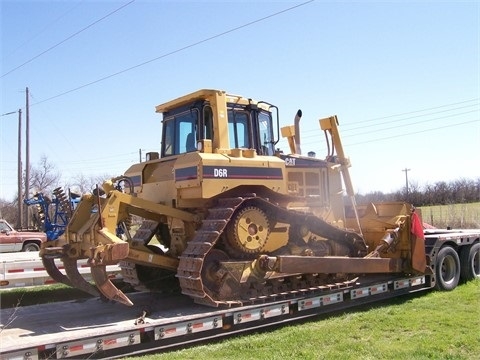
192,260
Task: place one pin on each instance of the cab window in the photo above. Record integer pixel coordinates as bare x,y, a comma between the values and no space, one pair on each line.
265,132
238,129
180,133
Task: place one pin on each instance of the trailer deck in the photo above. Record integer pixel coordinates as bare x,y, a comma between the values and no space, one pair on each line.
94,329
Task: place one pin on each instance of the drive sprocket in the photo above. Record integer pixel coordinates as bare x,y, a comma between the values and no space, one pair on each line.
247,233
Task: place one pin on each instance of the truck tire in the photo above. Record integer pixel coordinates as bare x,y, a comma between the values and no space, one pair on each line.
470,262
30,247
447,269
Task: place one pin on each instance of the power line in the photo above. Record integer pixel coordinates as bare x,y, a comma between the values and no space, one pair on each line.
9,113
397,135
105,158
421,110
416,132
176,51
68,38
417,122
317,132
58,131
46,27
410,117
346,129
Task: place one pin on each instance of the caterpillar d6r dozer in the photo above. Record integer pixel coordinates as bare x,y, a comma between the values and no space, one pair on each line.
229,219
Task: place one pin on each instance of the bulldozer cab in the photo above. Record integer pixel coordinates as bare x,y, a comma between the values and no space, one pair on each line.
197,123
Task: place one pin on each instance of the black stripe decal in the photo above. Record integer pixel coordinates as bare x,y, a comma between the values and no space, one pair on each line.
187,173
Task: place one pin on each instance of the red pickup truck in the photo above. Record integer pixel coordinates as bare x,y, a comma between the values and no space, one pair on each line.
13,240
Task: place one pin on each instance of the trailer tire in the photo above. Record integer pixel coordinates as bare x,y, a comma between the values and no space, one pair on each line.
470,262
447,269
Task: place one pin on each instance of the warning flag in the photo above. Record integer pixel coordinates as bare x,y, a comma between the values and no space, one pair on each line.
417,228
419,261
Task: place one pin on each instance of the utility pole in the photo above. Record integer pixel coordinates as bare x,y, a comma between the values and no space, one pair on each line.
406,180
27,157
140,153
19,173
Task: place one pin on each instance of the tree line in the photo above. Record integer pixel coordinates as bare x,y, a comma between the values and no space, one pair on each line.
440,193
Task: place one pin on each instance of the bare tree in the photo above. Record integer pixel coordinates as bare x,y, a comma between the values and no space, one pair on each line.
44,177
415,195
82,184
8,210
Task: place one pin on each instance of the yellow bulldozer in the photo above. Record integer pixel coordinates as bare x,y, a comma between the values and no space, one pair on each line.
229,219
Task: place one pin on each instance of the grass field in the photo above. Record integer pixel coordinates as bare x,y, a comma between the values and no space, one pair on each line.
435,325
454,215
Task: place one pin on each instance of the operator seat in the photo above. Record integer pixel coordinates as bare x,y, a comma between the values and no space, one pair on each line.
190,143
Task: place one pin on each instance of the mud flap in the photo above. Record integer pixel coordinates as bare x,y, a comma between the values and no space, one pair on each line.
419,262
77,280
106,287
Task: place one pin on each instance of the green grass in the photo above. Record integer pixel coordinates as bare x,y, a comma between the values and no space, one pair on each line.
435,325
43,294
38,295
454,215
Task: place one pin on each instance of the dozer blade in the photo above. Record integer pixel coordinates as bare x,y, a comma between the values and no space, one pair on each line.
106,287
76,279
52,270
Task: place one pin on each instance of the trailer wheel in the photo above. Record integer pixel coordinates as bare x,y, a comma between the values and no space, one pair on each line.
447,269
470,262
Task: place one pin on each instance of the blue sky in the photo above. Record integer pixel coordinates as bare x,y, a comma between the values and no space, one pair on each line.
402,76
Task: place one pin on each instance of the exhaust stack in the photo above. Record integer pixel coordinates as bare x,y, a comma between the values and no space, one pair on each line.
298,116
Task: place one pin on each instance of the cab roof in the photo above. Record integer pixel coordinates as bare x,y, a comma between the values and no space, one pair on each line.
206,94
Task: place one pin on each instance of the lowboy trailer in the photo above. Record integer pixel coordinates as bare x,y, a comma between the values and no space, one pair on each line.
89,329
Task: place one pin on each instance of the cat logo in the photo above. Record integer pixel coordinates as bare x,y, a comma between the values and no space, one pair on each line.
289,161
